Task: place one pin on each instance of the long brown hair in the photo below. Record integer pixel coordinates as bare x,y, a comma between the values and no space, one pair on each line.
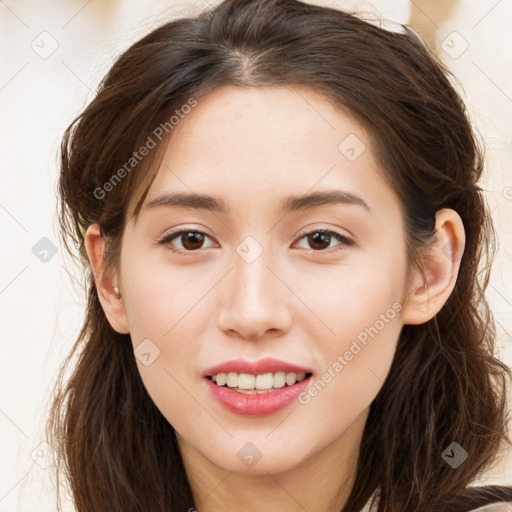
116,450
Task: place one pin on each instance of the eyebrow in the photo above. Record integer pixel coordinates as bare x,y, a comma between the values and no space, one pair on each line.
288,205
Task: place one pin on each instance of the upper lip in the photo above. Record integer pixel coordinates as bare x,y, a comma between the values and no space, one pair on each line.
266,365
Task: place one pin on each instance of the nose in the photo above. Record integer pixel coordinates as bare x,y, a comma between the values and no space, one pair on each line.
255,302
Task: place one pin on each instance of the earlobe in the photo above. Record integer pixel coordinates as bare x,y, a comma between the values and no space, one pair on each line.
105,281
435,281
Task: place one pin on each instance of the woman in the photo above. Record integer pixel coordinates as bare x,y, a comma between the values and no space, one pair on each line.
279,209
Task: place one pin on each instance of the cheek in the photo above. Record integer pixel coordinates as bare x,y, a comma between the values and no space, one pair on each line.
350,299
361,307
355,365
356,361
163,298
167,325
164,311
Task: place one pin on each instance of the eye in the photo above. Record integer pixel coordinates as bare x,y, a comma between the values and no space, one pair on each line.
321,239
190,240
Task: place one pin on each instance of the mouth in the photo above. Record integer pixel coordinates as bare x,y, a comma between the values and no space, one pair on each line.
257,384
256,388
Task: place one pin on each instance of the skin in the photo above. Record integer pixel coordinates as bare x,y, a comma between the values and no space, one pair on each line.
299,302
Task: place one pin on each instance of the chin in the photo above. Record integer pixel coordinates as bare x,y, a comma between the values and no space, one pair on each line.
275,464
257,457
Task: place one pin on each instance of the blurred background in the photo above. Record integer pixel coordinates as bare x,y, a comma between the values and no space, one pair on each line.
53,55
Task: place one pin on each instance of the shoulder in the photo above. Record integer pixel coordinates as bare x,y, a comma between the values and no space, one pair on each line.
495,507
490,498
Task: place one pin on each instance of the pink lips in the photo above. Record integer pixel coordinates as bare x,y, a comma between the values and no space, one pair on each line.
267,365
255,404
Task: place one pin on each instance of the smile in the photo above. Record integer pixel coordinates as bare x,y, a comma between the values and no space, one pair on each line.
256,388
257,384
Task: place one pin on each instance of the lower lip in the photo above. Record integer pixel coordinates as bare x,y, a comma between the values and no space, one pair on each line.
255,404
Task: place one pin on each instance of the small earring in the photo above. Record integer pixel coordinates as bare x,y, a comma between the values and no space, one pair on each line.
118,293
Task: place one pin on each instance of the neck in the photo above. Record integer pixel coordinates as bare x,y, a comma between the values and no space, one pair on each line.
321,483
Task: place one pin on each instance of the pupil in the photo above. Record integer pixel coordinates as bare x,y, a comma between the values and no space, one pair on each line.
192,237
319,238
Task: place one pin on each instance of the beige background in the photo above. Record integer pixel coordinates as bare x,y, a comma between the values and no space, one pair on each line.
53,55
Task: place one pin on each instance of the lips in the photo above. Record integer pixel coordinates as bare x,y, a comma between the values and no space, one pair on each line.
267,365
256,388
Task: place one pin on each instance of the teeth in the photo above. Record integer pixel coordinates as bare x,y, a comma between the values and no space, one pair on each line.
291,379
221,379
265,381
247,383
279,379
232,380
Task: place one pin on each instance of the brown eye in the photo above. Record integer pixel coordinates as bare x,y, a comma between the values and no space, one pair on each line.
190,240
320,240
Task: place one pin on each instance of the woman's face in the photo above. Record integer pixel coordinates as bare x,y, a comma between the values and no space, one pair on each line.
263,281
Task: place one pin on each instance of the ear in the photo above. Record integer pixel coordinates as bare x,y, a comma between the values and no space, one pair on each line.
434,282
105,281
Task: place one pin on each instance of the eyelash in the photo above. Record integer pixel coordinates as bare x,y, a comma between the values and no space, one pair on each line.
169,237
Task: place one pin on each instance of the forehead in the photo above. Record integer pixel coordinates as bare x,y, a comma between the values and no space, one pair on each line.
269,141
252,120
